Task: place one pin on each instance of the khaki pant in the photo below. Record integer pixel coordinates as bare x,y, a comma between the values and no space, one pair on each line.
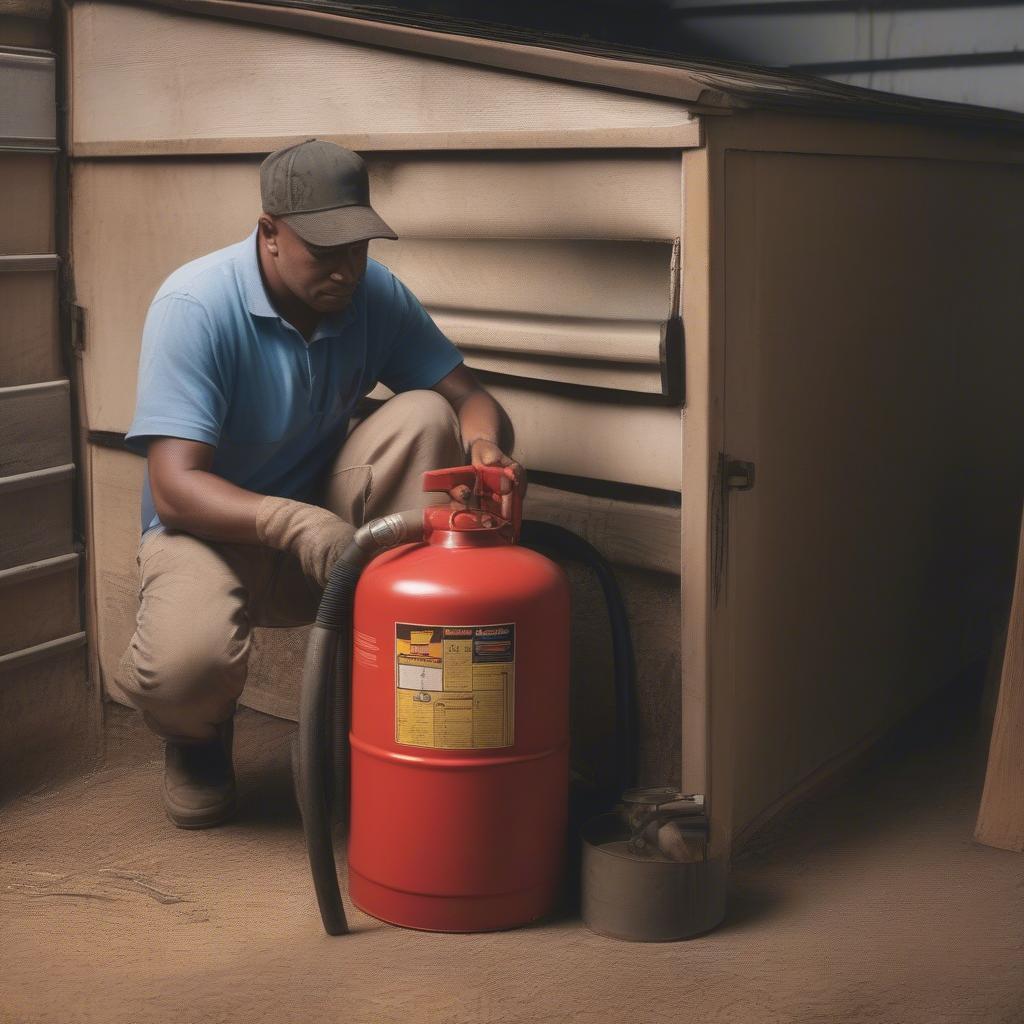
186,664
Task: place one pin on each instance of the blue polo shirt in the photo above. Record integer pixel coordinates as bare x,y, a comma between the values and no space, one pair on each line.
219,365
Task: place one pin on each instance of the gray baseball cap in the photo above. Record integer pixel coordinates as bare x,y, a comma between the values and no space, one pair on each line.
321,191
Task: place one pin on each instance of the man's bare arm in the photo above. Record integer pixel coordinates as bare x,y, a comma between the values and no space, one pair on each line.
486,429
189,497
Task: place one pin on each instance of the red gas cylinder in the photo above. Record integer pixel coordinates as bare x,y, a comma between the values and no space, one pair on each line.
460,724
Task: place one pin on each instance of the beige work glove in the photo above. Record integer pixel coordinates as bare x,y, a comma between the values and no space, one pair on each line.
313,535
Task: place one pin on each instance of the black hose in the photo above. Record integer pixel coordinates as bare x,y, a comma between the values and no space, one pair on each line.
556,540
320,778
313,777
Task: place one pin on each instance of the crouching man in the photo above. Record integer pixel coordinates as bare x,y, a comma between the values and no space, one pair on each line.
253,358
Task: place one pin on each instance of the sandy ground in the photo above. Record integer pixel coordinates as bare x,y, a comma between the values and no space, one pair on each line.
870,903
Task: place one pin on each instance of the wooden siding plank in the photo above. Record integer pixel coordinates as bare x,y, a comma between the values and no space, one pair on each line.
596,279
40,602
27,199
607,341
602,195
29,114
35,427
40,652
594,438
637,380
622,355
29,264
35,515
684,136
195,79
29,342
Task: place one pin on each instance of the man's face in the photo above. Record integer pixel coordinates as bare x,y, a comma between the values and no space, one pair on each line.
323,279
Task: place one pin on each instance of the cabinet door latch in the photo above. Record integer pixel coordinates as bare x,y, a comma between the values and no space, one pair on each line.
739,476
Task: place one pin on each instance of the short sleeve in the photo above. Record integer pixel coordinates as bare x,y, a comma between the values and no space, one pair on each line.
416,353
181,389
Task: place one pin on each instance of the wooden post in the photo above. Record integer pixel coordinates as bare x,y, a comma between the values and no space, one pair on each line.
1001,816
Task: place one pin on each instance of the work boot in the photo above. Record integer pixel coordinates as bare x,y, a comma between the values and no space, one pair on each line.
199,781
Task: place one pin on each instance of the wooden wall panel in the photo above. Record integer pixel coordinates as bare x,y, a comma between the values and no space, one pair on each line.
40,602
35,427
27,196
35,515
588,312
873,368
29,343
200,85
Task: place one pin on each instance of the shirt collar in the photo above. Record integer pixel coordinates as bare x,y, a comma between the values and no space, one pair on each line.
252,281
258,302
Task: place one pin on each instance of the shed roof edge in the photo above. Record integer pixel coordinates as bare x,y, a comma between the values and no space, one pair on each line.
705,86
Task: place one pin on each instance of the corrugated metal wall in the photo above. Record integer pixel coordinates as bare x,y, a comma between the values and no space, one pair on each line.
958,50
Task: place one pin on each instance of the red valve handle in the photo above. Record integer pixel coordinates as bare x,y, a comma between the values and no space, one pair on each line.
485,481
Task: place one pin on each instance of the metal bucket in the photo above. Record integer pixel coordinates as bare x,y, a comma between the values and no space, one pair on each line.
646,897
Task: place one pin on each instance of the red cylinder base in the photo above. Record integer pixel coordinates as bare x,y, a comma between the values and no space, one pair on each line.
487,913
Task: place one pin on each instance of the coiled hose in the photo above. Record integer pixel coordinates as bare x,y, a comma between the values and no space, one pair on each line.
319,755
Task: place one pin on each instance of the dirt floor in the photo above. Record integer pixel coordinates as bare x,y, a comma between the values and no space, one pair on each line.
870,903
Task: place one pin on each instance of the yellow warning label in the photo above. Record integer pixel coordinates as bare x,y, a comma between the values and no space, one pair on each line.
455,685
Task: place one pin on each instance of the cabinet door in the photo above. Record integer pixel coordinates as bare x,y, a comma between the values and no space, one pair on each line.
872,375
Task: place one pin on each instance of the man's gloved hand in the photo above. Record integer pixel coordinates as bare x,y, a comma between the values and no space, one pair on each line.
313,535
